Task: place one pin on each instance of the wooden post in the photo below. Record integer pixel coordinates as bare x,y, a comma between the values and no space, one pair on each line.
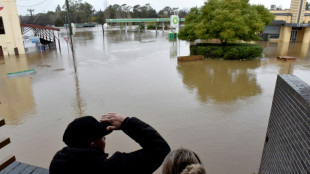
4,162
2,122
4,142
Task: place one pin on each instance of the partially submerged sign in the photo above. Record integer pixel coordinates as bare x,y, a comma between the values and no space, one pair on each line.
21,73
35,40
67,39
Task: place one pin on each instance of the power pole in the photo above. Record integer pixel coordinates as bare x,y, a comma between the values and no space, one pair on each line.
70,29
101,21
30,10
69,23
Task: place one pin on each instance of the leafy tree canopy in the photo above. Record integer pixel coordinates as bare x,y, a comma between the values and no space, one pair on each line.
226,20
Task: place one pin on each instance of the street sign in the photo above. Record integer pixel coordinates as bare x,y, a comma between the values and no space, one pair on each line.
67,39
174,21
35,40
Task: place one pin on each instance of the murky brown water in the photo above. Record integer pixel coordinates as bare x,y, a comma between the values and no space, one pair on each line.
219,109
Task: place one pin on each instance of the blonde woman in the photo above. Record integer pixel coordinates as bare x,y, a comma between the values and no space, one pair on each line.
194,169
182,161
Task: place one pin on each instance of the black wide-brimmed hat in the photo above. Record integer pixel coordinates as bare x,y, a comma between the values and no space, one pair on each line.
82,131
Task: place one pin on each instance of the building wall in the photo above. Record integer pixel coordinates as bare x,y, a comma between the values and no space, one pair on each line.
290,16
306,19
306,38
296,7
287,143
286,18
300,35
286,33
13,36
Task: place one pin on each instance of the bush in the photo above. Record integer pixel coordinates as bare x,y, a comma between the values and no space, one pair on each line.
58,22
151,27
235,51
218,52
232,53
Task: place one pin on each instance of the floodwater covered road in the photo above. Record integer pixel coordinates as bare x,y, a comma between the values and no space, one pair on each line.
219,109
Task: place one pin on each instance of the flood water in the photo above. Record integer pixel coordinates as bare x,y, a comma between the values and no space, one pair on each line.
219,109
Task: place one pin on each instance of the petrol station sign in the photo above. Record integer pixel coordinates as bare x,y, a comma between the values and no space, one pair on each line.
174,21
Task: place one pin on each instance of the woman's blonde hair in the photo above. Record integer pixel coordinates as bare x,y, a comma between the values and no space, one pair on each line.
177,160
194,169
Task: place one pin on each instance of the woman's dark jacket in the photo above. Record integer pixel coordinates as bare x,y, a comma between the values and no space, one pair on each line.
92,160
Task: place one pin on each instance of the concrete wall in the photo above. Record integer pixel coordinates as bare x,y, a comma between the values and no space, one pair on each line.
287,144
13,36
306,37
287,19
300,35
307,18
285,33
296,6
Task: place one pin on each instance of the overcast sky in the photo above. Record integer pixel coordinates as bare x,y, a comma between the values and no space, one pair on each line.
50,5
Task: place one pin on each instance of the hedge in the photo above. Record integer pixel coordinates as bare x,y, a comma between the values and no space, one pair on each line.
234,51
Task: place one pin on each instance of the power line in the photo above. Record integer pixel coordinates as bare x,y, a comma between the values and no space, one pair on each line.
30,10
17,1
33,4
44,8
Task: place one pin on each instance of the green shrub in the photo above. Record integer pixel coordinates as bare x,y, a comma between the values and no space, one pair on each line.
193,50
216,53
235,51
232,53
151,27
59,23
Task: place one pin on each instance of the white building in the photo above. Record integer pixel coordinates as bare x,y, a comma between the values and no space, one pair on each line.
11,40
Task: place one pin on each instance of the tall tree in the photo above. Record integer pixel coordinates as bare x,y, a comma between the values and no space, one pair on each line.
183,13
99,17
226,20
192,19
85,11
80,12
165,12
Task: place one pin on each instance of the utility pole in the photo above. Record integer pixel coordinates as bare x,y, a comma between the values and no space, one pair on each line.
101,21
30,10
69,23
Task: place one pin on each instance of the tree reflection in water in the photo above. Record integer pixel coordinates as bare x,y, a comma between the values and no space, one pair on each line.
219,80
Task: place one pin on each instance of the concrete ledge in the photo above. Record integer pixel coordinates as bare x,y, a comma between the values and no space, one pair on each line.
287,143
190,58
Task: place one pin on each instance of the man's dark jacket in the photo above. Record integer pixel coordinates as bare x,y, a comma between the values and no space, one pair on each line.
92,160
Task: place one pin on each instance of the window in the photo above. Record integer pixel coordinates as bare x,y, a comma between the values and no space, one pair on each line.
1,26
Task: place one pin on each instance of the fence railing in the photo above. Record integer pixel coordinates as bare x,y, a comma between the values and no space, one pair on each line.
4,162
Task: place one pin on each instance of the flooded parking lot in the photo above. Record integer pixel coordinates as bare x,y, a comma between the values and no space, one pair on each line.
219,109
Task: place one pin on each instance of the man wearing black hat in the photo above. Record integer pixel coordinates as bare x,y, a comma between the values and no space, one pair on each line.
85,140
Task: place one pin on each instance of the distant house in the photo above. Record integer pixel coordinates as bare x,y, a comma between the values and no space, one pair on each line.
11,41
289,24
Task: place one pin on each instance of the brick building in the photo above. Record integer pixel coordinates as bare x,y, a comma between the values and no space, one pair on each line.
290,24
